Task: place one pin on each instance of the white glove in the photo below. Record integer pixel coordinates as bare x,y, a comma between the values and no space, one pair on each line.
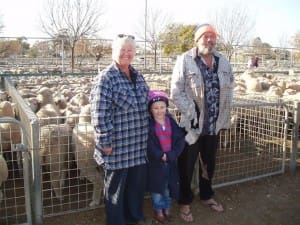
192,114
191,137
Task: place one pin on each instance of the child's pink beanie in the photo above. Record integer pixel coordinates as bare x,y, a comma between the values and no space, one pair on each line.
156,95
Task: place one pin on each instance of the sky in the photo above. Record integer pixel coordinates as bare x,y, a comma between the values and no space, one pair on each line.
276,21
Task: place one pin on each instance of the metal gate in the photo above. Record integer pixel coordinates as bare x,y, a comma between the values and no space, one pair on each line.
254,147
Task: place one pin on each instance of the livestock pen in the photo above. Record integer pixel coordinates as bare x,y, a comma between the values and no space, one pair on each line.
256,145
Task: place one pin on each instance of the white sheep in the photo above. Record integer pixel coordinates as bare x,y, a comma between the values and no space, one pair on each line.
33,103
10,133
226,138
45,96
3,96
3,173
61,103
27,93
49,114
80,99
7,109
73,108
54,148
83,147
67,93
72,114
275,91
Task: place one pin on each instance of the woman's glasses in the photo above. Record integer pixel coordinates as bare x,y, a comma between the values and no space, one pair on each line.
126,35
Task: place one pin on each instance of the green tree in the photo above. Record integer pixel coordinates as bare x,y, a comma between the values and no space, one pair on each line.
178,38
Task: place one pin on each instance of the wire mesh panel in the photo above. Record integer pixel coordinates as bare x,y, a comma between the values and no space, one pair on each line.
12,199
14,176
293,115
254,146
157,82
71,179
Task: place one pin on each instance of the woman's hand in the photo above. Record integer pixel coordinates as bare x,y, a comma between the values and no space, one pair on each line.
107,151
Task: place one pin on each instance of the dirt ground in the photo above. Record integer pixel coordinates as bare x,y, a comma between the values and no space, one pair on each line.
268,201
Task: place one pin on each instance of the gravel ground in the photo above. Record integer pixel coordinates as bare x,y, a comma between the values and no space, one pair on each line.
268,201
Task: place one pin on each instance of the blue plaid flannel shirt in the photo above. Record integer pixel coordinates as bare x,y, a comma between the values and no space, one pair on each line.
119,113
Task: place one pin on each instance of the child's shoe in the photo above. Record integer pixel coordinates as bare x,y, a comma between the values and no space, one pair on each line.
167,214
159,216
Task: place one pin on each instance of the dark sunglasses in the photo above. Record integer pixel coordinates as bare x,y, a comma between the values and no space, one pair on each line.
126,35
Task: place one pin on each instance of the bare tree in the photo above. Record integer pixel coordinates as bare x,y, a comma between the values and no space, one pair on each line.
283,41
157,21
1,23
234,25
71,20
295,40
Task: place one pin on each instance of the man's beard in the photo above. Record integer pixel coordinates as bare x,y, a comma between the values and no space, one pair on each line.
206,51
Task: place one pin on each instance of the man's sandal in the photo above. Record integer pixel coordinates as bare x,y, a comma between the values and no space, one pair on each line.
212,204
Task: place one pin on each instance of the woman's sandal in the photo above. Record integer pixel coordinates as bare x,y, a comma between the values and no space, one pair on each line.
186,216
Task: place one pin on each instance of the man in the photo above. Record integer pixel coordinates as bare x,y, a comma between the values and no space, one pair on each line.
202,90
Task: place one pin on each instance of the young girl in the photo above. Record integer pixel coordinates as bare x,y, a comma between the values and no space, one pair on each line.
165,143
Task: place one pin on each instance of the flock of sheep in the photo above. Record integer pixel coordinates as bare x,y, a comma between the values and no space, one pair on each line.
66,119
65,129
280,86
63,109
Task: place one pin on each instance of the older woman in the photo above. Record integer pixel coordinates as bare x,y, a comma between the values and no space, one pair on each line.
119,101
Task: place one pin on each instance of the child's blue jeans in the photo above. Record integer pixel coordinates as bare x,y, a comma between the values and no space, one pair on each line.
160,201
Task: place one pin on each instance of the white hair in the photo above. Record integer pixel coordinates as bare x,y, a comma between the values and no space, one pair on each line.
119,42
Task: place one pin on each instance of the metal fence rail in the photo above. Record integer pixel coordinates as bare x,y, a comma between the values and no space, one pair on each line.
48,55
